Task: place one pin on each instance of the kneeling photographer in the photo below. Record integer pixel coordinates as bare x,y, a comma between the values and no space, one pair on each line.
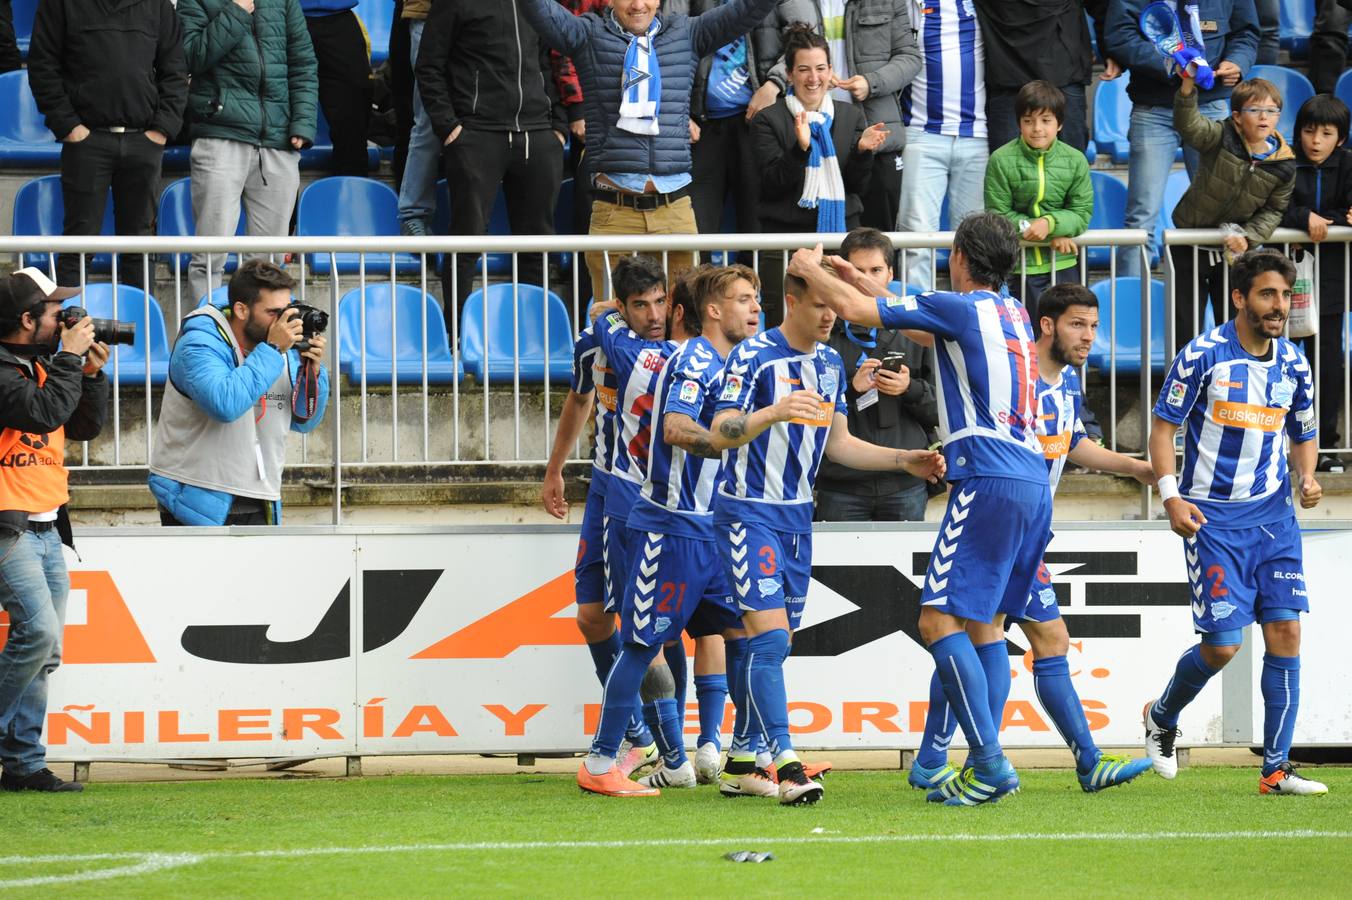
46,396
240,379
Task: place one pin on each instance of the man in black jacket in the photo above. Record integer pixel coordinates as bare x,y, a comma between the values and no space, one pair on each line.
890,407
112,82
46,396
481,75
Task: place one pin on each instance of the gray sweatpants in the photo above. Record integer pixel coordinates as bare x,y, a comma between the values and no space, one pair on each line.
223,173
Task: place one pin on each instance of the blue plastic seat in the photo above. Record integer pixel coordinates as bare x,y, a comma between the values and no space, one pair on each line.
393,332
1110,211
378,18
38,210
24,138
1297,24
131,307
320,152
1128,314
24,13
494,306
349,206
176,220
1174,189
1112,119
1343,89
498,263
1295,89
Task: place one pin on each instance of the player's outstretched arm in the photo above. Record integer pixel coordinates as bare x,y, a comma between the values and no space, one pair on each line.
1090,455
1304,459
848,450
576,410
732,428
1184,518
679,430
847,301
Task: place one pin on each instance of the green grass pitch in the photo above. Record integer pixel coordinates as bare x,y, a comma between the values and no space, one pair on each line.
1207,834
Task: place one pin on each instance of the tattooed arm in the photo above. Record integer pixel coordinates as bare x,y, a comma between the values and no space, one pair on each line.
733,428
679,430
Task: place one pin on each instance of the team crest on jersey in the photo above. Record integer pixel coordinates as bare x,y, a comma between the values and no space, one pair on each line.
731,388
1048,597
662,624
828,383
1222,609
768,586
689,391
1283,391
1178,392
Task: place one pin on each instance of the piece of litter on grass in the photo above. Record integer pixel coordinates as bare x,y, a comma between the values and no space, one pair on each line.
819,830
751,856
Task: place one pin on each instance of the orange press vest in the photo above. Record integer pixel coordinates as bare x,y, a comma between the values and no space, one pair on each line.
33,467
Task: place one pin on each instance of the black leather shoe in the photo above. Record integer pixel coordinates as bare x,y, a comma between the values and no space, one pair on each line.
41,780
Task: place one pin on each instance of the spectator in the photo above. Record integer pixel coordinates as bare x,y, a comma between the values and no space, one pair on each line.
236,378
418,184
248,124
1322,196
1041,185
889,407
945,119
636,70
481,74
1244,179
1269,30
10,59
806,183
343,63
1328,43
873,56
1033,40
112,84
1230,29
49,395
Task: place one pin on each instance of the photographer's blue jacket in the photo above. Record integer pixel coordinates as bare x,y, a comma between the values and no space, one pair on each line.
207,444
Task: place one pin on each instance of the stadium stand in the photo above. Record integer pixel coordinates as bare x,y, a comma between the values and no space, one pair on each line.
38,210
1295,88
1127,315
1174,189
25,11
498,263
24,138
1112,118
131,306
393,331
377,17
492,309
175,219
352,207
1297,23
1110,211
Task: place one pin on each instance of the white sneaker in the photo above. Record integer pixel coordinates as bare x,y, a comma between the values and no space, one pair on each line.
632,759
756,783
1159,745
662,777
1286,781
708,763
795,788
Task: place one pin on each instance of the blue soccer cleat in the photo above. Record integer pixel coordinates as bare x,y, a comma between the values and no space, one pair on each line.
1111,771
984,784
943,778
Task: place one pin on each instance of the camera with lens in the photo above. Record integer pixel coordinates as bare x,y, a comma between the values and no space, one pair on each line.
106,331
312,322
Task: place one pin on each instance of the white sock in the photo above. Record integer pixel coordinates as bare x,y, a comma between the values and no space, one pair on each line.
764,759
597,764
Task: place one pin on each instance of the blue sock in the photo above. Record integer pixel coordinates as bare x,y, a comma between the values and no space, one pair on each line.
1281,698
995,663
620,697
676,661
603,655
711,693
939,727
1056,693
1190,676
665,722
735,653
765,688
964,683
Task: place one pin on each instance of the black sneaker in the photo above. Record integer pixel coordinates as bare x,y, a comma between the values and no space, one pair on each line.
41,780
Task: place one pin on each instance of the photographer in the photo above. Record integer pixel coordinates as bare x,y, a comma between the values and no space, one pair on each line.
46,395
240,379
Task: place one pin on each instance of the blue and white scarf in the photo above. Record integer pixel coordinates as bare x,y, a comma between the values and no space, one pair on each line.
823,188
640,84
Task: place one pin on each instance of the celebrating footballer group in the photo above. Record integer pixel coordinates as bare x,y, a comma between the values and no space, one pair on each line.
709,435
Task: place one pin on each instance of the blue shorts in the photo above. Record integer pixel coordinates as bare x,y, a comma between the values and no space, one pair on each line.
615,554
768,569
989,547
672,579
1244,575
1040,604
589,573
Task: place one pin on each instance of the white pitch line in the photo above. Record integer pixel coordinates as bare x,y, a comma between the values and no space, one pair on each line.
154,862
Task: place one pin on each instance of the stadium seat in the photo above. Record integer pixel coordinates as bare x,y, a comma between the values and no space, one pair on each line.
493,308
1343,89
348,206
24,138
24,13
320,152
1111,119
1128,336
1297,24
377,16
1174,188
1110,211
131,307
176,220
38,210
498,263
1295,88
393,332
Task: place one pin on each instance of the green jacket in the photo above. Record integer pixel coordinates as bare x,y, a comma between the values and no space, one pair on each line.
1230,186
1023,184
254,77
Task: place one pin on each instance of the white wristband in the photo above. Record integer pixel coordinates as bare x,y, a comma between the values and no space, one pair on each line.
1168,487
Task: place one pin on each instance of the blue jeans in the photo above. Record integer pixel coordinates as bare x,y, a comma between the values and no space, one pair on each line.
1153,145
33,589
418,191
935,166
904,506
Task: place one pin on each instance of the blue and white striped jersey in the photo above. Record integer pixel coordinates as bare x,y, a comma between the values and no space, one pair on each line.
1238,411
591,372
949,95
1059,425
677,496
987,377
635,362
769,479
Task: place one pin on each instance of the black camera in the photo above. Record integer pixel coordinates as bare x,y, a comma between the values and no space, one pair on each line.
312,322
106,331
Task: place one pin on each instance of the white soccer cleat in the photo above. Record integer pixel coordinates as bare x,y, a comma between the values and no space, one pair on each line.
633,759
795,788
708,763
1286,781
662,777
755,783
1159,745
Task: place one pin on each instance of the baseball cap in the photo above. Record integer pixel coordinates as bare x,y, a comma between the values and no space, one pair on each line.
27,288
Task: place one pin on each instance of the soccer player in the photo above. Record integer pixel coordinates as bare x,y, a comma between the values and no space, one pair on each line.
1068,319
1240,391
999,512
782,406
675,578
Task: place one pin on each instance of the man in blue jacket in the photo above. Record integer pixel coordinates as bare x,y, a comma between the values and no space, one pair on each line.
238,384
1230,30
